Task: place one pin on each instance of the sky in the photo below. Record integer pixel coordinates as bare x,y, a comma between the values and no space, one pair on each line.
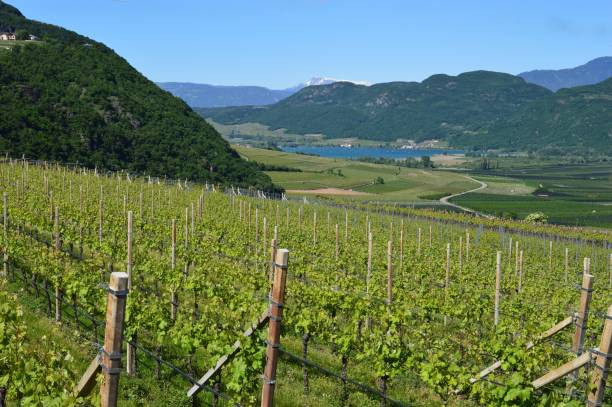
280,43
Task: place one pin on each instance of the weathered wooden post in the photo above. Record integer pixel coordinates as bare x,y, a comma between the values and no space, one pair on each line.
369,270
402,246
58,247
5,227
583,312
100,218
520,271
497,286
274,328
389,272
419,241
601,367
346,228
173,299
131,349
550,256
610,266
467,245
566,263
113,335
337,242
460,254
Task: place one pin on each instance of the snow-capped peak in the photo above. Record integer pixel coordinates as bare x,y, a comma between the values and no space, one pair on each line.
323,80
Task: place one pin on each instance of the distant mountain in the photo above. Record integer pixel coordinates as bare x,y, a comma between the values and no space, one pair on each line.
590,73
577,119
203,95
68,98
440,107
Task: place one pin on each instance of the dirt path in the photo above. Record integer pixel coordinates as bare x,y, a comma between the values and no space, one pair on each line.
445,200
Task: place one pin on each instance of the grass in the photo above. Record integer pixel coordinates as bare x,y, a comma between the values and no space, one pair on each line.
400,184
568,193
10,44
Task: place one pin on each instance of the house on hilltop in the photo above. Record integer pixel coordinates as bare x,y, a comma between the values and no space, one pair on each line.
8,36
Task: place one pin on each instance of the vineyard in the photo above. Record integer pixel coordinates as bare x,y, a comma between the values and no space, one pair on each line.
380,305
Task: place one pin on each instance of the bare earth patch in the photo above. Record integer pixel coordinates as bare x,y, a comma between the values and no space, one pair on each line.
327,191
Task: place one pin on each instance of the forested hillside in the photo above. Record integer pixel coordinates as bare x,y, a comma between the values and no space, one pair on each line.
576,119
71,99
440,107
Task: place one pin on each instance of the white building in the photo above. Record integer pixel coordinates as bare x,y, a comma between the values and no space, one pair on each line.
7,37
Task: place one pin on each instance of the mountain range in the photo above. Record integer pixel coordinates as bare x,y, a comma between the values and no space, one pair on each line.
479,110
69,98
205,95
592,72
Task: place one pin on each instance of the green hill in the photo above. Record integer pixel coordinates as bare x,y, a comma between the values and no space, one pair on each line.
440,107
577,119
71,99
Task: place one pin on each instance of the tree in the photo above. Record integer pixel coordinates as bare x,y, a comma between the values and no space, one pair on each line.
426,162
22,35
536,217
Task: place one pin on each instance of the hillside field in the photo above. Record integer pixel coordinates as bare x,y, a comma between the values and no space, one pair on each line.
401,184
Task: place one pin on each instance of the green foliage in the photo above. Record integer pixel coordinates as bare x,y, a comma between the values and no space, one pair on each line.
71,99
536,217
35,380
440,107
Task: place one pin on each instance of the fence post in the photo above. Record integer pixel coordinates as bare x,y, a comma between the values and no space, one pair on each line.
583,312
274,329
601,364
497,286
131,349
337,242
520,271
5,225
389,272
58,246
113,335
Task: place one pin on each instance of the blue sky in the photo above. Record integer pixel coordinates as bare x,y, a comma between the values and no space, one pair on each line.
279,43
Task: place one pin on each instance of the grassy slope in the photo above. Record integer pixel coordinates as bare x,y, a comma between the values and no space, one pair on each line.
403,184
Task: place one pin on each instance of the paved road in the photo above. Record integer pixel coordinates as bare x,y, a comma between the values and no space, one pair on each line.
445,200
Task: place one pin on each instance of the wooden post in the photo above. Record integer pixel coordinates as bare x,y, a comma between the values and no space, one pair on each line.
467,245
497,286
520,271
129,249
100,220
346,232
430,233
448,259
510,248
273,249
173,299
265,234
58,291
5,227
389,272
419,241
460,255
610,266
274,329
131,349
113,335
601,367
369,271
583,313
566,263
516,258
337,242
402,246
550,256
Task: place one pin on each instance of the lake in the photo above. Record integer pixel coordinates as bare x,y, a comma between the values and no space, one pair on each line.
359,152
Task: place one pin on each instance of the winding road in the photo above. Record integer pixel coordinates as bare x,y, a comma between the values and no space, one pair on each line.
445,200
